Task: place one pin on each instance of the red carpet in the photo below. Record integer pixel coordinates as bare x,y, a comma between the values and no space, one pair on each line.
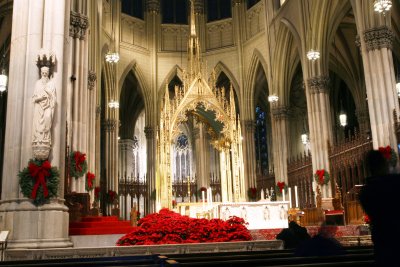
100,226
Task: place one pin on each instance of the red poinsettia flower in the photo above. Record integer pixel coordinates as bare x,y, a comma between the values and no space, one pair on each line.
281,186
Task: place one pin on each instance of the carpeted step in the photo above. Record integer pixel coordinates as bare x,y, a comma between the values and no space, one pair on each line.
99,225
100,230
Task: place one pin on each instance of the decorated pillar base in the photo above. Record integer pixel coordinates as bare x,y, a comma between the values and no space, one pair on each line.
327,203
31,226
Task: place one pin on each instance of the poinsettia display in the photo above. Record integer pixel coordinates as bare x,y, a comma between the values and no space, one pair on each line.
168,227
111,196
97,192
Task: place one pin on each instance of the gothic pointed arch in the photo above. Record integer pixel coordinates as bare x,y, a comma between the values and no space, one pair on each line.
221,67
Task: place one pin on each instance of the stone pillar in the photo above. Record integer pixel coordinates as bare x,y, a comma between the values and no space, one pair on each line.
111,154
376,48
78,117
319,115
151,146
249,153
126,158
281,142
43,27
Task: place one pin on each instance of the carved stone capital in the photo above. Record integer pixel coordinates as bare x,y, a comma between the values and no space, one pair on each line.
110,125
153,6
78,24
92,77
149,132
319,84
280,113
377,38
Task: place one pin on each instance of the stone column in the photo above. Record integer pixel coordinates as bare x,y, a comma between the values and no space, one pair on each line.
151,146
78,117
111,154
376,48
320,121
280,140
44,27
249,153
126,158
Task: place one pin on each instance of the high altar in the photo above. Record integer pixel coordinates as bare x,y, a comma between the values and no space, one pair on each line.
199,95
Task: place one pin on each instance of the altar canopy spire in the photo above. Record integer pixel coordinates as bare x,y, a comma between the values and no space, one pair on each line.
194,51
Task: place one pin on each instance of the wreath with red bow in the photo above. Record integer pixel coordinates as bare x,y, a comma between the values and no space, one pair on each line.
321,177
39,181
279,188
77,164
90,177
111,196
389,154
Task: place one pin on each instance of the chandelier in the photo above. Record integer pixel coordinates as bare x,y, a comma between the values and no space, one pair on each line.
113,104
3,81
312,55
112,57
273,98
382,6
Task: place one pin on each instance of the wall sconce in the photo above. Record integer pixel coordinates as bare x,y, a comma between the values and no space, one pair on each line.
273,98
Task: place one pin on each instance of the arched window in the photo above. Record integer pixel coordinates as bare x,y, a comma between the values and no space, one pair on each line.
261,141
218,9
132,8
174,11
251,3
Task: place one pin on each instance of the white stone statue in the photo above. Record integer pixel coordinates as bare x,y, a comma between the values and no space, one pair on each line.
44,98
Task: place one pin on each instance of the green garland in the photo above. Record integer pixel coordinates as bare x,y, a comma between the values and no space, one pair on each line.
27,181
77,164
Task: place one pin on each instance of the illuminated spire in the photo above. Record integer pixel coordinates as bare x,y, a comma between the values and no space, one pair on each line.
193,46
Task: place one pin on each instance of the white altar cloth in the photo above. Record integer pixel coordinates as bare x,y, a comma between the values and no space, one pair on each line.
258,215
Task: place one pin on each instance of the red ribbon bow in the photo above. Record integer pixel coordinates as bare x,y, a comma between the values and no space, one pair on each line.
386,152
79,159
90,178
39,173
281,185
321,174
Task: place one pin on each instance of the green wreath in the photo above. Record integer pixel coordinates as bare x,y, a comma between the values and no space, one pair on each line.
77,164
321,177
279,187
39,181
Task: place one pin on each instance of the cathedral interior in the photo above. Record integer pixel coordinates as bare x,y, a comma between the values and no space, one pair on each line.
167,98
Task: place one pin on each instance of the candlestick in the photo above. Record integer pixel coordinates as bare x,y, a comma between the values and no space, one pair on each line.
290,197
283,194
202,196
296,196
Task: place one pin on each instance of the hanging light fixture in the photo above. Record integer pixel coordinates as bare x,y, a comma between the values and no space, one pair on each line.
304,135
112,56
398,88
3,75
382,6
113,104
312,55
342,116
273,98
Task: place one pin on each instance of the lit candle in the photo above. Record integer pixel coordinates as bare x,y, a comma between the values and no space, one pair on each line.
290,197
203,198
283,194
296,196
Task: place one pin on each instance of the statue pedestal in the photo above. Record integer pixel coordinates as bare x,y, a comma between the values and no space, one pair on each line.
327,203
33,226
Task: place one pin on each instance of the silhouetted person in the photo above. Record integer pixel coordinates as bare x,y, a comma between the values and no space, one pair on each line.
322,244
379,199
293,236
